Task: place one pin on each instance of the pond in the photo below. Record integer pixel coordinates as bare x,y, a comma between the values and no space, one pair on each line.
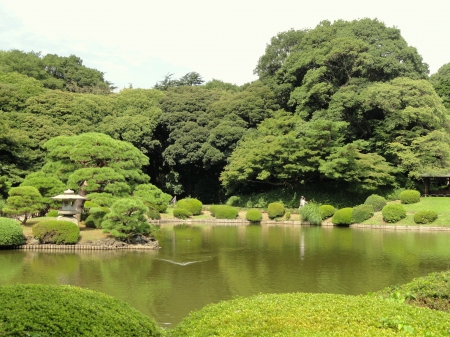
202,264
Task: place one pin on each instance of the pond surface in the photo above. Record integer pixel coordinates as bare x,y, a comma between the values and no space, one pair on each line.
198,265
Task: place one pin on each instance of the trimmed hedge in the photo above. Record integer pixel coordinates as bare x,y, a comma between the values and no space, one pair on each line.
11,233
377,202
409,196
192,205
362,213
343,217
181,213
424,217
56,231
393,213
224,211
253,215
44,310
326,211
301,314
275,210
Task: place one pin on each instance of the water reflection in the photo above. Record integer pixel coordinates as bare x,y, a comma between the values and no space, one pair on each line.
202,264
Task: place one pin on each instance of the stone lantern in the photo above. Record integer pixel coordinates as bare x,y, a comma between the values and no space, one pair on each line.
68,210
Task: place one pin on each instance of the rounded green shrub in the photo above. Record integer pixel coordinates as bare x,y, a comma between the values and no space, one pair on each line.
253,215
424,217
11,233
181,213
343,217
56,231
275,210
287,215
409,196
362,213
377,202
45,310
192,205
326,211
393,213
224,212
53,213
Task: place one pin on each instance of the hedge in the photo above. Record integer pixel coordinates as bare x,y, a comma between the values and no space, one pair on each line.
11,233
192,205
393,213
56,231
409,196
362,213
275,210
326,211
224,211
181,213
377,201
424,217
45,310
253,215
343,216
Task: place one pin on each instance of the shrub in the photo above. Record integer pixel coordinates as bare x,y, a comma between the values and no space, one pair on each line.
56,231
311,213
45,310
253,215
424,217
234,201
192,205
224,212
96,216
362,213
53,213
181,213
23,201
326,211
393,213
11,233
377,202
287,216
153,197
275,210
343,217
409,196
153,213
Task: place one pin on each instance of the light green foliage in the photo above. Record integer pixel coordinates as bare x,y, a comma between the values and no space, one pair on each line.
393,213
96,215
52,213
15,89
275,210
302,314
311,213
425,217
57,232
45,310
409,196
48,185
377,202
192,205
23,202
224,211
127,218
253,215
441,83
326,211
181,213
11,233
152,196
287,215
343,217
362,213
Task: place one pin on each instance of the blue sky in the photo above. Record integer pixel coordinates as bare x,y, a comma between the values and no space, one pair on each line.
140,41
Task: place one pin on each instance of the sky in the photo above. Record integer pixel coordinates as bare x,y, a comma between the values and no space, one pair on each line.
138,42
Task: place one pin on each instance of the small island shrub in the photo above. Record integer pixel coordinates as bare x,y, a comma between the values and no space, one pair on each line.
56,231
326,211
410,197
343,217
377,202
253,215
393,213
362,213
224,212
275,210
425,217
311,213
181,213
53,213
192,205
48,310
11,233
287,216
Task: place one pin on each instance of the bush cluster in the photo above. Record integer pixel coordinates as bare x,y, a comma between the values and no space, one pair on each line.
181,213
253,215
409,196
343,217
224,211
362,213
311,213
275,210
424,217
393,213
326,211
377,202
56,231
192,205
44,310
11,233
53,213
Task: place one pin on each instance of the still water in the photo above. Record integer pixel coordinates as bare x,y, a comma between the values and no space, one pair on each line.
198,265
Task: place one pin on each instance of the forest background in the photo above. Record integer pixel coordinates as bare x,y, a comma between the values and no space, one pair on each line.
339,112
